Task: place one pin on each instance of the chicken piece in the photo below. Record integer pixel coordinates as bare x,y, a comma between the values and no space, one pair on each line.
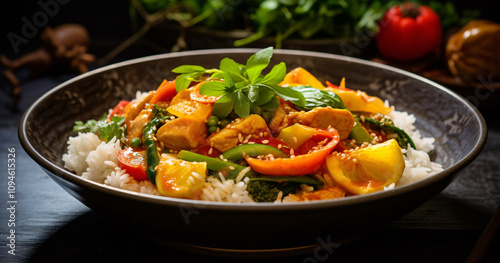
341,120
278,117
135,127
133,109
234,133
182,134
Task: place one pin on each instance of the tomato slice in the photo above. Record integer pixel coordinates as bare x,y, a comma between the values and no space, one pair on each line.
118,109
301,164
134,162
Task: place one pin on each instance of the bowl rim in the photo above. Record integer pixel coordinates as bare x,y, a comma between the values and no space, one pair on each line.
249,207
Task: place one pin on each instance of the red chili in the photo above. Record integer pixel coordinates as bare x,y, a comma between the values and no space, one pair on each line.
408,31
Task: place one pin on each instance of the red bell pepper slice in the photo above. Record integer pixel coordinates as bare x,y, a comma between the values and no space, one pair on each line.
301,164
165,92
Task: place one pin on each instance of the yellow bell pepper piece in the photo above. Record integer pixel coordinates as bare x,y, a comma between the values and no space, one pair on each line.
295,135
300,76
179,178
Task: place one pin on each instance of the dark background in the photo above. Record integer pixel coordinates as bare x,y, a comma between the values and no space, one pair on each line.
108,22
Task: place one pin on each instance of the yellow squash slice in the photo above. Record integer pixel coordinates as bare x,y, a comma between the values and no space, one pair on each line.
368,169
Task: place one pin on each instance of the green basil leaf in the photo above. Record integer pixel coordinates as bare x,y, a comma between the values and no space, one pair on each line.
228,80
257,62
213,88
271,105
182,82
234,68
224,105
241,104
253,93
291,95
188,69
318,98
276,76
266,93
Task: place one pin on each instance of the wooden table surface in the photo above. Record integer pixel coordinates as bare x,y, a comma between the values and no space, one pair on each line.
52,226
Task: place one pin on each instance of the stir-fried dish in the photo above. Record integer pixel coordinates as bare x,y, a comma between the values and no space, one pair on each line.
276,136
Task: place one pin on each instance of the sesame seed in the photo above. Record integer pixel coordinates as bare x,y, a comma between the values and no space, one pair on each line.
292,152
231,168
294,139
240,137
211,150
265,141
280,146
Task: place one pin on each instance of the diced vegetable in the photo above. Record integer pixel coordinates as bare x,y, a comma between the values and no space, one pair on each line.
302,164
215,164
253,150
179,178
118,109
134,162
300,77
165,92
367,169
295,135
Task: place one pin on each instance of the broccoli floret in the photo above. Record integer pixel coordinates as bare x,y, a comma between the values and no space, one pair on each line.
267,191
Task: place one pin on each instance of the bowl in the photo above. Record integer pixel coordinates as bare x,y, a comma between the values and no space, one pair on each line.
260,228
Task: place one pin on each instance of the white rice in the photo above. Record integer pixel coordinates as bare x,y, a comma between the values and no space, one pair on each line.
102,161
79,148
417,162
95,160
226,190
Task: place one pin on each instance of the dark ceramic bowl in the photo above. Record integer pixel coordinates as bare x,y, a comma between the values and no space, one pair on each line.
459,129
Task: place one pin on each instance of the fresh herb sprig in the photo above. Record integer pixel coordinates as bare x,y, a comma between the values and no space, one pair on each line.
242,85
388,126
102,128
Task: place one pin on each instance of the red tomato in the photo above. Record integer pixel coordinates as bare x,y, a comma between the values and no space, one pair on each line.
118,109
408,32
134,162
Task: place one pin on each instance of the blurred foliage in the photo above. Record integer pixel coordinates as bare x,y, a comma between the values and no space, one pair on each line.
295,18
